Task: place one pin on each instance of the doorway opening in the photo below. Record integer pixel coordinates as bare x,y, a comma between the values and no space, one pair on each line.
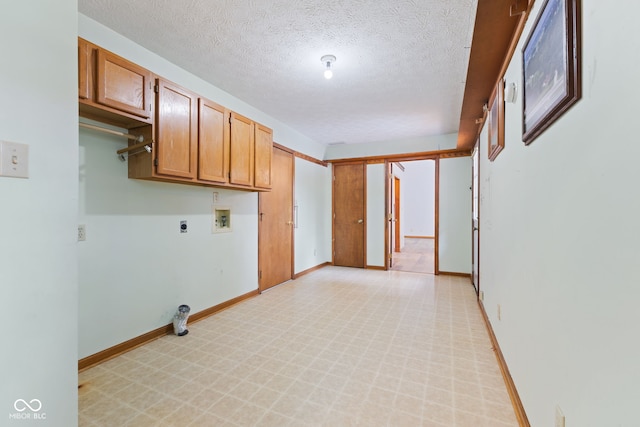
412,216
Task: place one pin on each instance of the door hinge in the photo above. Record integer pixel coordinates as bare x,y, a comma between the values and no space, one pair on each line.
260,274
155,162
156,89
390,256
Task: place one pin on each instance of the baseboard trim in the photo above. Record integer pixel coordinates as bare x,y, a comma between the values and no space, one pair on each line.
310,270
118,349
419,237
453,273
518,408
375,267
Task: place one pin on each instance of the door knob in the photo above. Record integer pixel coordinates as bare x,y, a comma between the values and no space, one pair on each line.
360,221
289,222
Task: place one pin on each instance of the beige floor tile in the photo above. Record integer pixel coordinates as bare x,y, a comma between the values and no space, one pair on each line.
338,347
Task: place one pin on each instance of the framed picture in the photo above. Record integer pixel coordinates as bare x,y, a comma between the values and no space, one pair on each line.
551,66
495,121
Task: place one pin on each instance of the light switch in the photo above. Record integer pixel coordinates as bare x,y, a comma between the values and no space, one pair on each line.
14,159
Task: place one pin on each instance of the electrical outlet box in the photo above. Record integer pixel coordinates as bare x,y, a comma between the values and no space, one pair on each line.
221,220
499,313
14,159
82,233
183,226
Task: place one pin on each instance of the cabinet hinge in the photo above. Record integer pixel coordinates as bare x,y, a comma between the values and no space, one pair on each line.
156,89
260,274
155,162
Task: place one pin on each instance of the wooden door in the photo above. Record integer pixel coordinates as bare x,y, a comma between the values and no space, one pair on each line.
213,142
177,132
123,85
263,150
242,150
349,215
275,228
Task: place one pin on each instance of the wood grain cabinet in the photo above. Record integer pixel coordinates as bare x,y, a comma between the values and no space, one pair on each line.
112,89
242,140
123,85
193,140
84,54
176,139
263,154
213,142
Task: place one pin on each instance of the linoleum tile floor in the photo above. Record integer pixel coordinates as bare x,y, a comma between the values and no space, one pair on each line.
336,347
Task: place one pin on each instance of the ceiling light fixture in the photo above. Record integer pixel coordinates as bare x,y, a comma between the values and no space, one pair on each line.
327,60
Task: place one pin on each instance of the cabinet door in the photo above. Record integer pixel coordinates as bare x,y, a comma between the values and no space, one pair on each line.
83,69
176,131
123,85
242,146
263,153
213,142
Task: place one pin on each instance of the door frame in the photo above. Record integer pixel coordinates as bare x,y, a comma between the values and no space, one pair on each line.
396,214
389,187
475,222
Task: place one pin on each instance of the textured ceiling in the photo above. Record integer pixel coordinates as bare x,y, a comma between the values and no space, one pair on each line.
400,69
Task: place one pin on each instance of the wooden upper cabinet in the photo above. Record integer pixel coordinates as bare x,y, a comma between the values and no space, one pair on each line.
242,150
176,131
84,55
263,154
213,142
123,85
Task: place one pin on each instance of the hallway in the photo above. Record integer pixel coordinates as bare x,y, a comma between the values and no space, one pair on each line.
417,256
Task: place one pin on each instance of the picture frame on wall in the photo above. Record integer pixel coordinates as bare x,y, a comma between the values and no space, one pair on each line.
551,67
495,121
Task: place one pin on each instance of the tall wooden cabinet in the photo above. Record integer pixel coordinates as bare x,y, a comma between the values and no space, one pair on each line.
176,136
213,142
263,154
242,150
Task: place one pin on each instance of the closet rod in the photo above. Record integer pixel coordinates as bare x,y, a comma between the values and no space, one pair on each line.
139,138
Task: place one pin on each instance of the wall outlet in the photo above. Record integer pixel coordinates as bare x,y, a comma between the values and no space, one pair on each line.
183,226
216,197
82,233
499,313
559,417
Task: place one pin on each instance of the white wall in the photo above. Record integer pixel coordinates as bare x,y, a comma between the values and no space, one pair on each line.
559,236
454,239
418,198
382,148
313,226
135,266
38,289
375,214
